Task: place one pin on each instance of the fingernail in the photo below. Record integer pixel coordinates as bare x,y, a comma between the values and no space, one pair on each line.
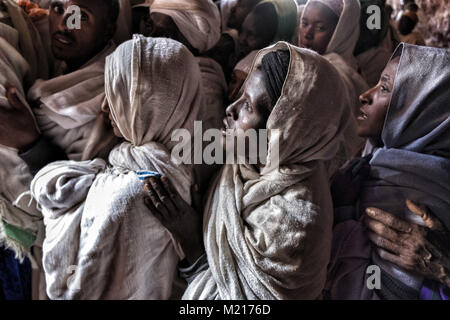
370,211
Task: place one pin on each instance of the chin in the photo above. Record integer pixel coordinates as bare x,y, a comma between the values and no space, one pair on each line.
61,54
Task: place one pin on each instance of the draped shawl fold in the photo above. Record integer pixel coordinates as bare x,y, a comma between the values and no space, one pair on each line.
15,211
267,235
95,217
70,103
198,20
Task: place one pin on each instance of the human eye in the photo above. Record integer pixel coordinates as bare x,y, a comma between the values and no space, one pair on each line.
84,16
384,88
247,106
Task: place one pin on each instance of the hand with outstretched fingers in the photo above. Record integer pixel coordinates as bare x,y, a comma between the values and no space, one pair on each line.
17,125
422,249
181,219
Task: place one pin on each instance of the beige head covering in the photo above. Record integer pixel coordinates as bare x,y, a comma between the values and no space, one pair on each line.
267,234
198,20
335,5
145,102
346,34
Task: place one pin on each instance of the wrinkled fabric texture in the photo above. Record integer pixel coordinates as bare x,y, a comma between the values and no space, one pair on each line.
413,162
95,216
198,20
27,40
68,104
15,206
267,234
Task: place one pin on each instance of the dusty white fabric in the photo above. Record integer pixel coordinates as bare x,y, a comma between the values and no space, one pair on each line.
70,103
198,20
267,234
14,173
95,215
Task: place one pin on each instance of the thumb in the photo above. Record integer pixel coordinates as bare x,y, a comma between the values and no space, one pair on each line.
430,221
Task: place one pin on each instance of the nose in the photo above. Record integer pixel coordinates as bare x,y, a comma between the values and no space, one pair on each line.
309,32
105,106
232,111
367,97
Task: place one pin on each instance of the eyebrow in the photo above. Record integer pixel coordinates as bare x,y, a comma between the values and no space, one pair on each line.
385,78
85,8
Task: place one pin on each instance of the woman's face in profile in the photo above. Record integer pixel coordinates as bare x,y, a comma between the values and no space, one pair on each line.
376,102
105,109
251,110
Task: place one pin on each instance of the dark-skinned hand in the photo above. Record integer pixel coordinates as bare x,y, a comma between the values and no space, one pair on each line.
182,220
346,182
17,126
421,249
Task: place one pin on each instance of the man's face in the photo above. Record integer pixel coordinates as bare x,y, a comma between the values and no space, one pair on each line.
78,44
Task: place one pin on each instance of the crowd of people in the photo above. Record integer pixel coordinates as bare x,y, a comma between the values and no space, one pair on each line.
93,205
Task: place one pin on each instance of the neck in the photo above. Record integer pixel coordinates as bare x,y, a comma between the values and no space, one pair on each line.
77,63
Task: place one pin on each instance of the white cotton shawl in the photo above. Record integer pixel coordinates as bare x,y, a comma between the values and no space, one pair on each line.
268,235
95,217
198,20
70,103
15,177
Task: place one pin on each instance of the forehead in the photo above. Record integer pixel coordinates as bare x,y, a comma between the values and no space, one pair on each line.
319,12
92,5
254,86
391,67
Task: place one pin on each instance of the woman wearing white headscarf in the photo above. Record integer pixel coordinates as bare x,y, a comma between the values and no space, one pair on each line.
267,230
331,27
196,24
96,222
